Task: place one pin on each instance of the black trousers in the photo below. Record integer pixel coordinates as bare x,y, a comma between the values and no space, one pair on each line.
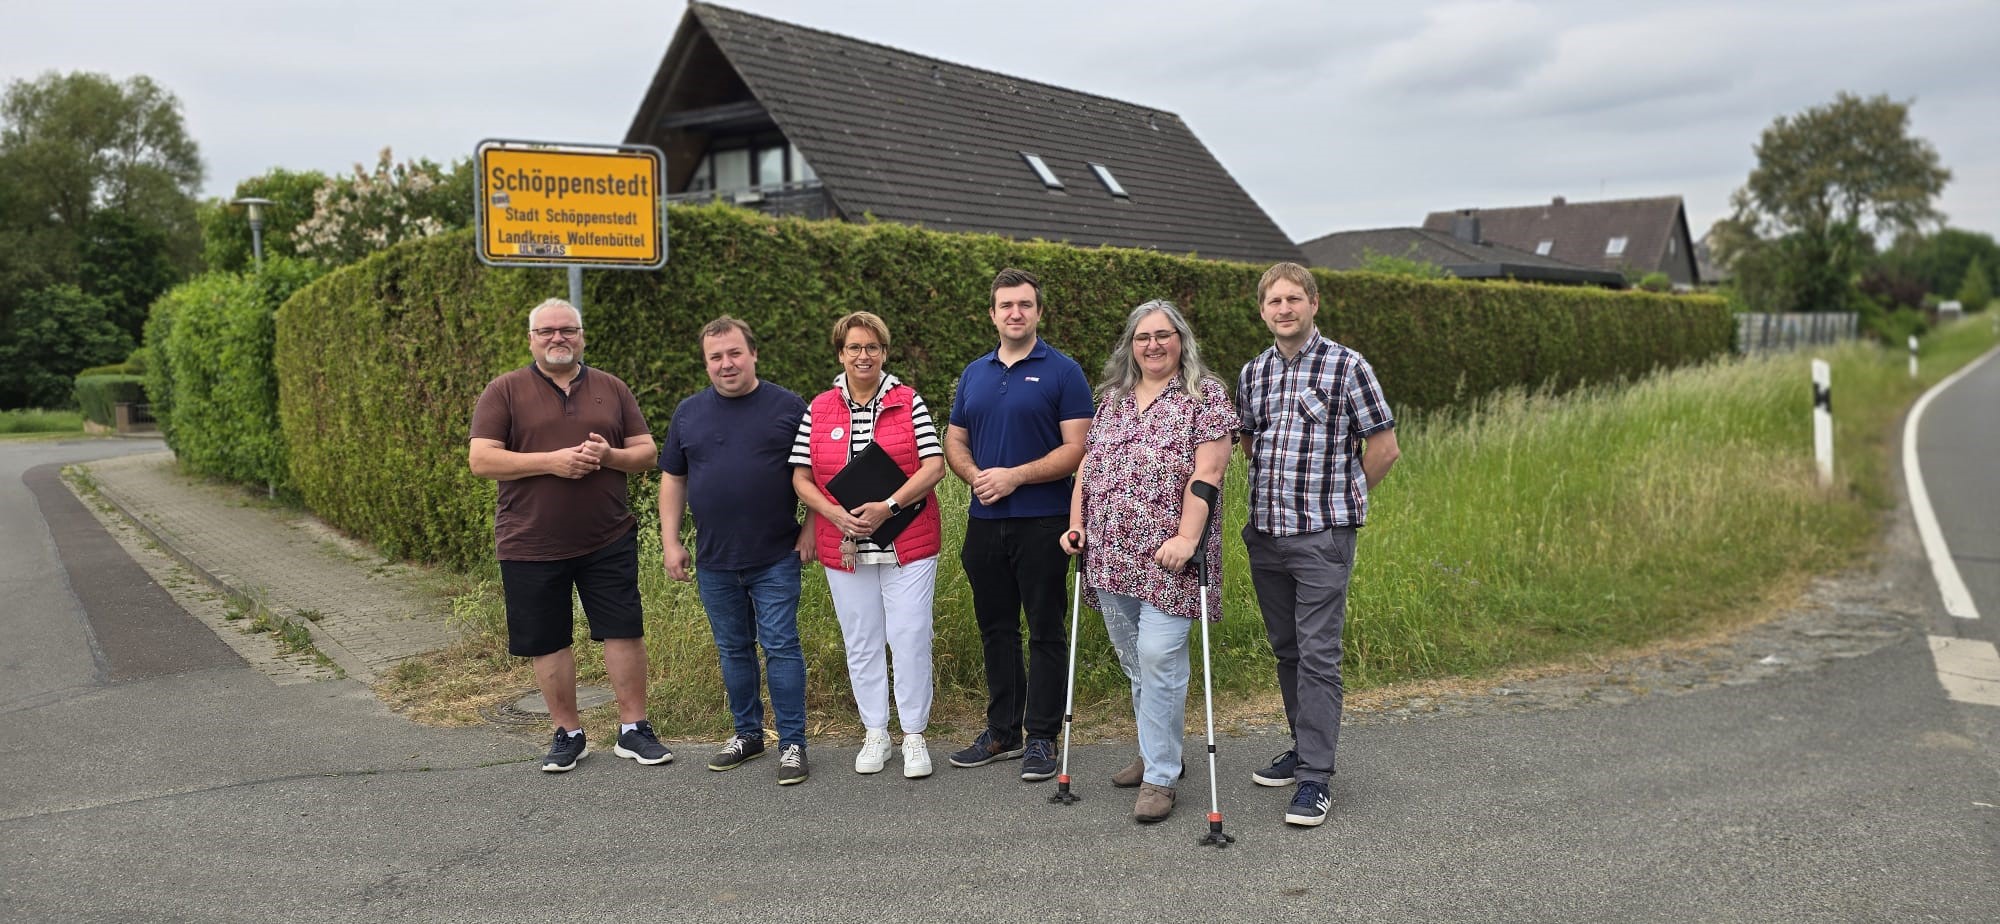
1014,566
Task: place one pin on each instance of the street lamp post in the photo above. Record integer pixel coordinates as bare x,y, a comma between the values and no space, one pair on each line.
256,226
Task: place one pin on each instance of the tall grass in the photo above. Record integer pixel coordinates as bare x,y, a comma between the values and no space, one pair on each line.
35,420
1526,528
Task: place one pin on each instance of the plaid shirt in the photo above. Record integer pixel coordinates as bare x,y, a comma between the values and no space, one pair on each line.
1304,420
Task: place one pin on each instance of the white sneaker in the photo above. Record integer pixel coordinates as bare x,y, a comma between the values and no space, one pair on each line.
874,752
916,757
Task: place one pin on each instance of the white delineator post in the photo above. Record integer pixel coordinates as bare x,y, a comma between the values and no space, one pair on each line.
1913,356
1822,412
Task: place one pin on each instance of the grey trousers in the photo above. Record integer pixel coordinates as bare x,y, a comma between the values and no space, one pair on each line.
1301,584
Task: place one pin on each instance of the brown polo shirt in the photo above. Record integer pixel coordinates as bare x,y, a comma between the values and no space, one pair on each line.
545,517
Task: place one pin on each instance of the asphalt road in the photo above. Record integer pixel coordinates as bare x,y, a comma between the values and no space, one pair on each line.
151,777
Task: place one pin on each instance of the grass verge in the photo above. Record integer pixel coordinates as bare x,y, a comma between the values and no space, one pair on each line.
34,423
1526,530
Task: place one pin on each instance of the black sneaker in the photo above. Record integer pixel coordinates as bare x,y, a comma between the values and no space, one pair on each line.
1309,805
791,764
1040,762
739,749
1283,770
642,745
984,750
565,751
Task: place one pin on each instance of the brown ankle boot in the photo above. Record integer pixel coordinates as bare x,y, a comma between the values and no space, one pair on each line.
1133,774
1155,803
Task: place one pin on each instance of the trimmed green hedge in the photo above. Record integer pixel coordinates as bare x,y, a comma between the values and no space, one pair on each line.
214,388
98,395
380,362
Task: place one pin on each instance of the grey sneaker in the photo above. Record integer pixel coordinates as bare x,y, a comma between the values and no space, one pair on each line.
737,751
791,764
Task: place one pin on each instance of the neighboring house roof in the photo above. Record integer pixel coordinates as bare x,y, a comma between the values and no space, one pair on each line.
1349,250
1654,231
917,140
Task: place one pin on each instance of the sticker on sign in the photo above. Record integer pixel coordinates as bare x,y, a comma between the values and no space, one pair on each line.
544,204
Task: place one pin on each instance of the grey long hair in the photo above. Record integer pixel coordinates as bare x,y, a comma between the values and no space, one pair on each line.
1121,371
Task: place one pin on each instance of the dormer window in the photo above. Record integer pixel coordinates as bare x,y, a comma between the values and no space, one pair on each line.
1110,182
1042,171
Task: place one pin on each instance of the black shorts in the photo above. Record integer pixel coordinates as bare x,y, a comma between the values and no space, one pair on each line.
540,617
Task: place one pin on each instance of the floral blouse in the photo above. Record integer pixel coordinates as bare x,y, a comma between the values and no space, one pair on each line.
1135,471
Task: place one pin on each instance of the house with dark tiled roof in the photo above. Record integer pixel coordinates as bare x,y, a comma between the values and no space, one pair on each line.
1460,253
797,121
1635,236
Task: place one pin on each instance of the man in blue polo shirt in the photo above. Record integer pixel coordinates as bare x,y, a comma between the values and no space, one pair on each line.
1018,423
727,455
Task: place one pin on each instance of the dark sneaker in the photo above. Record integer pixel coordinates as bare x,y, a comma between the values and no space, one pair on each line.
1283,770
565,751
791,764
739,749
984,750
642,745
1309,805
1040,762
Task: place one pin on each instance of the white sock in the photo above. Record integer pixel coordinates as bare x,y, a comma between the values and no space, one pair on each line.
628,726
575,732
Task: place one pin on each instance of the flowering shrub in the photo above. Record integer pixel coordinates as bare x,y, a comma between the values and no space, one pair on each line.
354,216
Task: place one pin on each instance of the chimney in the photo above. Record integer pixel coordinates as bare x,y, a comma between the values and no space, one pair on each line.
1559,202
1465,225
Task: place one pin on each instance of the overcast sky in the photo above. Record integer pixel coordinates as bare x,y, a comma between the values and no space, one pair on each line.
1335,116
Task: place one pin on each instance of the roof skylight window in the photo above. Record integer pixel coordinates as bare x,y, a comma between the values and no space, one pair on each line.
1110,182
1614,247
1048,177
1542,249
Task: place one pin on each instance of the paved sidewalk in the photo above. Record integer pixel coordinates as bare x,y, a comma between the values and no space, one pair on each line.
365,613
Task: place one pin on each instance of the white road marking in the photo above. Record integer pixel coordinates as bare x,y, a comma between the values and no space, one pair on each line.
1957,600
1968,668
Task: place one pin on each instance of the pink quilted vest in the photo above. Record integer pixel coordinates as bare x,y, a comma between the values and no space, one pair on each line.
898,436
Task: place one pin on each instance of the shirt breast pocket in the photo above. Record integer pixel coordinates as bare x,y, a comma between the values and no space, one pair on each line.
1315,407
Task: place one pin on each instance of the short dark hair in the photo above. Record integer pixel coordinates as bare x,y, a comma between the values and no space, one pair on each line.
725,324
1011,277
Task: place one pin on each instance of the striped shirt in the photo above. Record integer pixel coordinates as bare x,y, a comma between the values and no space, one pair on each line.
861,427
1304,420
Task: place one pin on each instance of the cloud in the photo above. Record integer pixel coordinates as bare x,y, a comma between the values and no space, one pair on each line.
1484,45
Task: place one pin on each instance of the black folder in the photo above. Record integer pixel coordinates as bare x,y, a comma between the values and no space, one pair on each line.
869,477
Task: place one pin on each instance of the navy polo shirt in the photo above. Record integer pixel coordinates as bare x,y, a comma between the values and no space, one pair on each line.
736,456
1013,415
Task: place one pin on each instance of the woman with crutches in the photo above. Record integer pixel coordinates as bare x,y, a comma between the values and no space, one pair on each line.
1164,422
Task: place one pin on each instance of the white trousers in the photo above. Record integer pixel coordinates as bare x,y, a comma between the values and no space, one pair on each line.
888,605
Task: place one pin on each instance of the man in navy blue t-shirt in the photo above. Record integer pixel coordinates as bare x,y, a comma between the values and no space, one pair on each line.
1018,422
727,455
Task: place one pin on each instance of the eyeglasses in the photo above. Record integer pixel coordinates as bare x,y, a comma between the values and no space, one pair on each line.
548,332
863,349
1158,337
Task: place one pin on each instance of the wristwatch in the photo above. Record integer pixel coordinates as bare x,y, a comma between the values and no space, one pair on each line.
894,508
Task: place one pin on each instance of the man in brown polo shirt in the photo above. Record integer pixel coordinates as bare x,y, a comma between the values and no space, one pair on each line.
560,437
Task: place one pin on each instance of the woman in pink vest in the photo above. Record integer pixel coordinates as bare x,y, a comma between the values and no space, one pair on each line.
881,591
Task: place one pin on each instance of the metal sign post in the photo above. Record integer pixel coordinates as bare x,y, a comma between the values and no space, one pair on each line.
543,203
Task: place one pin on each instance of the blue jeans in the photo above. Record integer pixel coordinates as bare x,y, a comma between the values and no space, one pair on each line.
1152,647
747,608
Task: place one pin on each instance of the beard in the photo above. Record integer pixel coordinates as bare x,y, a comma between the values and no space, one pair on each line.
559,356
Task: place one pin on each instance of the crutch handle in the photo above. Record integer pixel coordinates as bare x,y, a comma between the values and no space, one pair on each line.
1212,496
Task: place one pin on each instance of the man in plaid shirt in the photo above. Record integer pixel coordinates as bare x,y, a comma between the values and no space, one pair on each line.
1317,434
